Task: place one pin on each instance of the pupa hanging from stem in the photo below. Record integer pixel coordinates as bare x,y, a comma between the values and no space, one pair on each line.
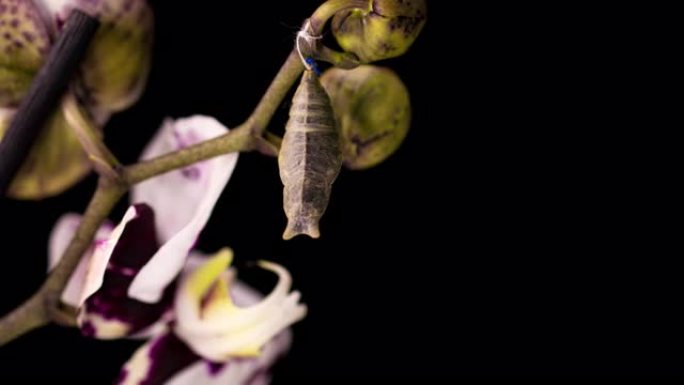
310,157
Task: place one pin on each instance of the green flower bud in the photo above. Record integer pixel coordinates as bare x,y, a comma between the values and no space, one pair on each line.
111,78
55,163
373,110
24,43
386,29
115,69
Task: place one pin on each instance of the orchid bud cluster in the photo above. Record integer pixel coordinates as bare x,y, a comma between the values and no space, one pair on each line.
111,78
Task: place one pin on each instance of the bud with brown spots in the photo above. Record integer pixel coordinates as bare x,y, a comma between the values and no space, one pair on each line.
385,29
111,78
373,110
115,69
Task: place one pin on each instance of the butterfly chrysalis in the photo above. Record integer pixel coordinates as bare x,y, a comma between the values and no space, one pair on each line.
309,159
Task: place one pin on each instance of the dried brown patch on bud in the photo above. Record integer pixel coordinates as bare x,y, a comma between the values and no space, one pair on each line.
386,29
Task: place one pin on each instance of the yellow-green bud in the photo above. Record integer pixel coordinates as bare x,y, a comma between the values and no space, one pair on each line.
115,69
386,29
56,161
373,110
24,43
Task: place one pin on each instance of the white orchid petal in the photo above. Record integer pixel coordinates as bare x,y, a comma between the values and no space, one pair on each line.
230,317
165,359
183,200
240,372
195,285
61,236
248,341
55,7
101,255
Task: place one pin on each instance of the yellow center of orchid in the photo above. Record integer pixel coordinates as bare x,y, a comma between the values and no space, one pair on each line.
218,329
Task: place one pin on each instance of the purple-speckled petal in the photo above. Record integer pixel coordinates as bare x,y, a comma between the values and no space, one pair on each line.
157,361
61,235
182,199
109,312
243,371
102,253
168,360
24,43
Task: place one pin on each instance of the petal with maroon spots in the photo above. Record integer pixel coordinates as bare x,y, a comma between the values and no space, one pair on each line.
107,311
241,371
183,200
156,361
168,360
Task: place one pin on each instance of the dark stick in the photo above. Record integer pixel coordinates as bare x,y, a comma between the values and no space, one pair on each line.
44,94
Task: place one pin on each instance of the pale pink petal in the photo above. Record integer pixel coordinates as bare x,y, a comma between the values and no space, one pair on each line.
54,12
101,255
219,330
166,359
109,313
182,199
55,7
253,371
6,115
61,235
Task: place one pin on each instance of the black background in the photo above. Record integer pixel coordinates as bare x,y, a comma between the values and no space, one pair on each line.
494,243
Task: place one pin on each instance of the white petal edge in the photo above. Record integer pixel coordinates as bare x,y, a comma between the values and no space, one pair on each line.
60,237
236,372
192,323
182,206
52,10
223,334
55,6
101,255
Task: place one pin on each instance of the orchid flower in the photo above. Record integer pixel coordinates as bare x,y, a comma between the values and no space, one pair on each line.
205,327
223,333
111,78
147,250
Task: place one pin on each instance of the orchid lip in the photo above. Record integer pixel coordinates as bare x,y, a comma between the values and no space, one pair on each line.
215,328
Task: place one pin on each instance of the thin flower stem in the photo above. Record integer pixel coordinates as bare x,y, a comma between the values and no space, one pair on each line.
44,306
241,138
37,311
244,137
101,204
30,315
90,137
